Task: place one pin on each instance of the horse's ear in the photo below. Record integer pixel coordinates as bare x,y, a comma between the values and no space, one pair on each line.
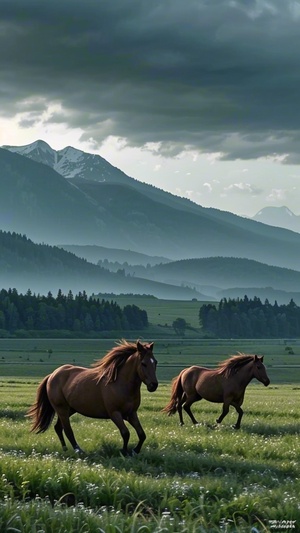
143,349
257,358
139,346
262,358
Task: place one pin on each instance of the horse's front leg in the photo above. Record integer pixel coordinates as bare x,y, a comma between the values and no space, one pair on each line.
134,421
240,412
225,412
117,418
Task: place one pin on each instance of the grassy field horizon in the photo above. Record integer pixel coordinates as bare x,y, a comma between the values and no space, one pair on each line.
38,357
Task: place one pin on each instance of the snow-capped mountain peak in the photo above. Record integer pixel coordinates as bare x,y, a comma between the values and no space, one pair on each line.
71,153
71,162
38,145
39,151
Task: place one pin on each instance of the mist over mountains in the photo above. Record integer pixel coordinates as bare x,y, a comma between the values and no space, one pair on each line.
219,277
281,217
42,268
80,202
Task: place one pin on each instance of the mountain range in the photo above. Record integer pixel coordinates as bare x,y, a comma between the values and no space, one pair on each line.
219,277
80,203
42,268
281,217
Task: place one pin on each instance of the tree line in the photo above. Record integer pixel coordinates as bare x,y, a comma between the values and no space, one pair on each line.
250,318
78,313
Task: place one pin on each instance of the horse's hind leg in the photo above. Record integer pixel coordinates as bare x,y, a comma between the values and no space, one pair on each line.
59,431
187,407
179,408
66,426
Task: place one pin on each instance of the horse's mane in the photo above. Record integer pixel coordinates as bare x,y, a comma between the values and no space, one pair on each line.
109,365
233,364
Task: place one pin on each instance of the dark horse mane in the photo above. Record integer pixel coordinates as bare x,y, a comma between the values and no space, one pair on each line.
233,364
109,365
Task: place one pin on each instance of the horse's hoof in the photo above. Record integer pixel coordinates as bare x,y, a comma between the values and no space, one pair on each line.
236,427
124,453
78,450
67,499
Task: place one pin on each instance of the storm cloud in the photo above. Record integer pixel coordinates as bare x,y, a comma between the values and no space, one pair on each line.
211,75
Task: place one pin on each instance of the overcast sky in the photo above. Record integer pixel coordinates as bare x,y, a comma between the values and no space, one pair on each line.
198,97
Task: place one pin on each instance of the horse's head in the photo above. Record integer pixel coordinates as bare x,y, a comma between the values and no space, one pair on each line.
259,370
147,365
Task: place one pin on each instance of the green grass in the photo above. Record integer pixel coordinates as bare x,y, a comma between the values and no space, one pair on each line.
30,357
164,312
191,478
187,479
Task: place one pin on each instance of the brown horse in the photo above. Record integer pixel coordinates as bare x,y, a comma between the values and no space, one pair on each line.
226,384
109,389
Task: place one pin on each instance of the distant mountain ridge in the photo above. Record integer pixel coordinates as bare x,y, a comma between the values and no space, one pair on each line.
42,268
116,211
73,163
215,277
264,293
94,254
70,162
281,217
219,277
37,201
226,272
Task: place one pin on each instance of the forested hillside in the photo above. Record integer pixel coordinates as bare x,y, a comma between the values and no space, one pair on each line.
96,254
20,253
226,272
246,318
77,314
219,277
42,268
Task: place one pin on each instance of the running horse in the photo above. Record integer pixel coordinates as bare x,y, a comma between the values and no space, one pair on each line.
110,389
226,384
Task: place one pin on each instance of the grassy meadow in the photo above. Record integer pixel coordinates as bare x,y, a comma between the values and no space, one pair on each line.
186,479
163,312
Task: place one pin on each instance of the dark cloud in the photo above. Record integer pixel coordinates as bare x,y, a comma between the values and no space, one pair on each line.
216,75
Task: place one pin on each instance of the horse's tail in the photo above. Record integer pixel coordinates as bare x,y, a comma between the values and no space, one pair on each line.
176,396
41,412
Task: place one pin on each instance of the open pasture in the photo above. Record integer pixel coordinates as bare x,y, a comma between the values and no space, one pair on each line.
164,312
187,479
38,357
